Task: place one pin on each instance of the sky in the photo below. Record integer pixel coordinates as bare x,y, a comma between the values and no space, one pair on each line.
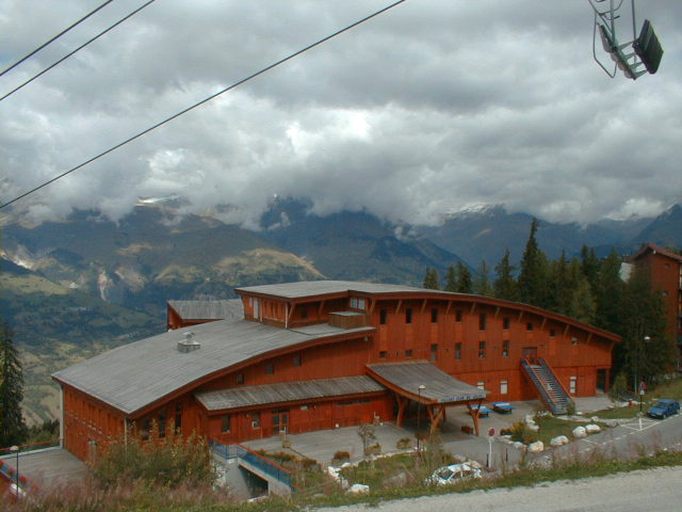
431,108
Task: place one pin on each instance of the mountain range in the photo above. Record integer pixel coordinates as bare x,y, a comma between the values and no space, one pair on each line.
75,287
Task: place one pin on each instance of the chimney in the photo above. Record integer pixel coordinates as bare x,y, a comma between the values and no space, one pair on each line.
188,344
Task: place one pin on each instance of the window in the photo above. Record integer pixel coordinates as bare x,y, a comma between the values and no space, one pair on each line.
255,420
225,423
280,419
505,323
178,417
529,326
434,352
458,315
458,351
239,378
505,348
382,316
357,303
408,315
573,385
408,352
297,359
383,354
482,321
481,349
162,424
434,315
270,368
480,385
504,387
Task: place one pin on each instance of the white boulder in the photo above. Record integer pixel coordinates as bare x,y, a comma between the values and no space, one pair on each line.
533,427
358,489
592,428
536,447
579,432
559,441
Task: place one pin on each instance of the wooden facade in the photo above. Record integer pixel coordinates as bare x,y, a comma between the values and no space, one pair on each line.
477,340
664,268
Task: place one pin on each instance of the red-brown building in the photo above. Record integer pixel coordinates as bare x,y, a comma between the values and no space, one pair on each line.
664,268
323,354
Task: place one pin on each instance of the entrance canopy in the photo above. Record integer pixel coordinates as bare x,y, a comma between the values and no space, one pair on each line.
424,383
437,387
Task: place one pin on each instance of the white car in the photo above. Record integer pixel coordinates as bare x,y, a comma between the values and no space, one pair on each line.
454,473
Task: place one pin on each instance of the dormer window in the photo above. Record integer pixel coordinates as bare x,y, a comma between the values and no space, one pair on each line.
357,303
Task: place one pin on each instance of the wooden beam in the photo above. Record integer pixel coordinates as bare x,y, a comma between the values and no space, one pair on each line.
497,312
473,307
589,337
544,320
520,315
401,410
372,303
400,303
447,310
319,310
423,306
566,330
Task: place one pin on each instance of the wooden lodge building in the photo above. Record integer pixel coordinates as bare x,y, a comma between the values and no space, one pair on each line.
323,354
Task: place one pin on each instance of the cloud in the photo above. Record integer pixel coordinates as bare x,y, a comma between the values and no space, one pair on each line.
428,108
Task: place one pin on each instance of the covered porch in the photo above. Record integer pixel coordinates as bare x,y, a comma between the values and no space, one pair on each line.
426,385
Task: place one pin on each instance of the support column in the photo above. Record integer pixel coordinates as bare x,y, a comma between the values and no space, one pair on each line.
402,402
61,413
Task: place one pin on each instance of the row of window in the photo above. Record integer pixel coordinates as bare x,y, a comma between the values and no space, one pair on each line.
504,385
482,319
482,346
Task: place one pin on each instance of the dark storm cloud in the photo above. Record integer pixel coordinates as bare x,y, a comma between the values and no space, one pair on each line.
432,107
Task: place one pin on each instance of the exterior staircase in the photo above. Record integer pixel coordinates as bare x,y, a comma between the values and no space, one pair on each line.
552,393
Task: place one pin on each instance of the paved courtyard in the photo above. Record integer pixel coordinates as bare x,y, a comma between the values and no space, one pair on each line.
322,445
49,467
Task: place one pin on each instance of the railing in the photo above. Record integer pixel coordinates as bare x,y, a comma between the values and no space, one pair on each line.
530,373
551,379
256,460
555,380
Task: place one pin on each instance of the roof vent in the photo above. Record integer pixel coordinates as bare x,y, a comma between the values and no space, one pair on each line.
188,344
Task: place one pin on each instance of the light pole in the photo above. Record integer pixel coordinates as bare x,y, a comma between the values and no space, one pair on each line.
421,388
640,388
15,449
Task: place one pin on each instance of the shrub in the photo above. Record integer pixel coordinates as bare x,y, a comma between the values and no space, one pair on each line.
169,461
373,449
521,433
341,455
403,443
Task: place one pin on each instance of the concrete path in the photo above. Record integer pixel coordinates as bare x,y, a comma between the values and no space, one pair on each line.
50,467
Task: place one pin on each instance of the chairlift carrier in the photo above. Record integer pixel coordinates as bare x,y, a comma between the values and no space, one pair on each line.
636,57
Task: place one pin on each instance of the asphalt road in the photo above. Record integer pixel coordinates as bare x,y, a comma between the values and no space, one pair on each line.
651,491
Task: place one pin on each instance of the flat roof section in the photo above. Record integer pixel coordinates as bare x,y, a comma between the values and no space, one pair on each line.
208,309
439,387
281,392
303,289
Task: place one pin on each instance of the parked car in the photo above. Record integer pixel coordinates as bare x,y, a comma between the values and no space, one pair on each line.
483,411
454,473
663,408
503,407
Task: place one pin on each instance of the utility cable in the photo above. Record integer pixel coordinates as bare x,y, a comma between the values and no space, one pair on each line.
54,38
205,100
111,27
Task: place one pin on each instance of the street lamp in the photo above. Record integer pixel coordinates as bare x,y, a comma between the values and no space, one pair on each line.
15,449
647,339
421,388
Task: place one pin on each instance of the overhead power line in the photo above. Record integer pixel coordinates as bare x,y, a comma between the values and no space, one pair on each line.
55,38
205,100
111,27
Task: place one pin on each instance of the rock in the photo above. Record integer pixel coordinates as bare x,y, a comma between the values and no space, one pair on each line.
594,419
519,445
592,428
533,427
358,489
559,441
536,447
610,423
579,432
529,418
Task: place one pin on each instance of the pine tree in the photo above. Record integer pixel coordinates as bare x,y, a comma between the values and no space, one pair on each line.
451,279
608,294
505,286
581,304
482,282
590,265
646,352
431,279
560,286
464,284
12,427
533,276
